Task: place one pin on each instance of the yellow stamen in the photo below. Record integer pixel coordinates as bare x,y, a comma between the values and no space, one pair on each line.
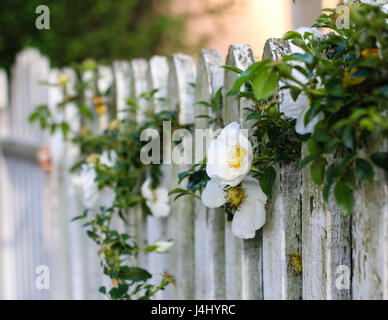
85,130
63,79
92,158
235,196
115,282
114,125
101,109
350,80
371,52
236,157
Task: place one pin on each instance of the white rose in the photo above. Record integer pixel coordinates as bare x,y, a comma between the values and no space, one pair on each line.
230,156
93,197
108,158
156,199
298,109
248,199
163,246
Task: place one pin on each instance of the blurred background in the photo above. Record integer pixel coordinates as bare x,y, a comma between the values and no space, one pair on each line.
32,234
109,30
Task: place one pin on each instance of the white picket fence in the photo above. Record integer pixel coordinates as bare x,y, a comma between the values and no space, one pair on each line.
342,258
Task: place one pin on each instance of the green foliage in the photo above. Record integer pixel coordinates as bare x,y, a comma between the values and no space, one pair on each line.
104,30
118,251
346,84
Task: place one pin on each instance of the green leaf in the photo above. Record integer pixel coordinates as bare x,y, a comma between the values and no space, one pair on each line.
317,170
102,290
234,69
349,137
313,146
177,190
380,159
267,180
322,135
291,35
252,116
308,159
344,197
265,83
247,75
364,170
85,110
307,58
134,273
65,129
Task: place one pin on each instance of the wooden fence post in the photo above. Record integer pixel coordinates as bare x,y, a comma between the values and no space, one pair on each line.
157,78
243,258
121,86
181,220
7,249
326,242
78,240
56,224
209,223
282,232
139,85
370,234
28,184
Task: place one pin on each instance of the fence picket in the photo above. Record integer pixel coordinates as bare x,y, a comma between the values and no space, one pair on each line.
7,245
56,228
282,232
157,78
370,235
121,86
209,223
181,220
73,201
139,85
4,102
243,258
325,242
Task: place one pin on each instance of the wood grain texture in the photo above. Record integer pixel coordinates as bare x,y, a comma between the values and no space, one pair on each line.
157,78
181,220
209,223
370,234
138,85
282,232
243,258
326,242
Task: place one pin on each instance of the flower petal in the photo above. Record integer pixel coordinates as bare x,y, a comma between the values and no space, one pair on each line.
146,191
244,220
253,189
161,194
213,196
158,209
108,158
301,128
107,197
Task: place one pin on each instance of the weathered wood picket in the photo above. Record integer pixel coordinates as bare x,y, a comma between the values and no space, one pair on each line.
342,257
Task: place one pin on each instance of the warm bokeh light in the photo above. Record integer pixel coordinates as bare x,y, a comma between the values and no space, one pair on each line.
247,21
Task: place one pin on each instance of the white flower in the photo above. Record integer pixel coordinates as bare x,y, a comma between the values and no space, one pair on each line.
163,246
298,109
230,156
93,197
248,199
156,199
105,78
108,158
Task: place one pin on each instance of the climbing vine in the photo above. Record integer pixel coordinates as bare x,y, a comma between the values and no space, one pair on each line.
109,170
